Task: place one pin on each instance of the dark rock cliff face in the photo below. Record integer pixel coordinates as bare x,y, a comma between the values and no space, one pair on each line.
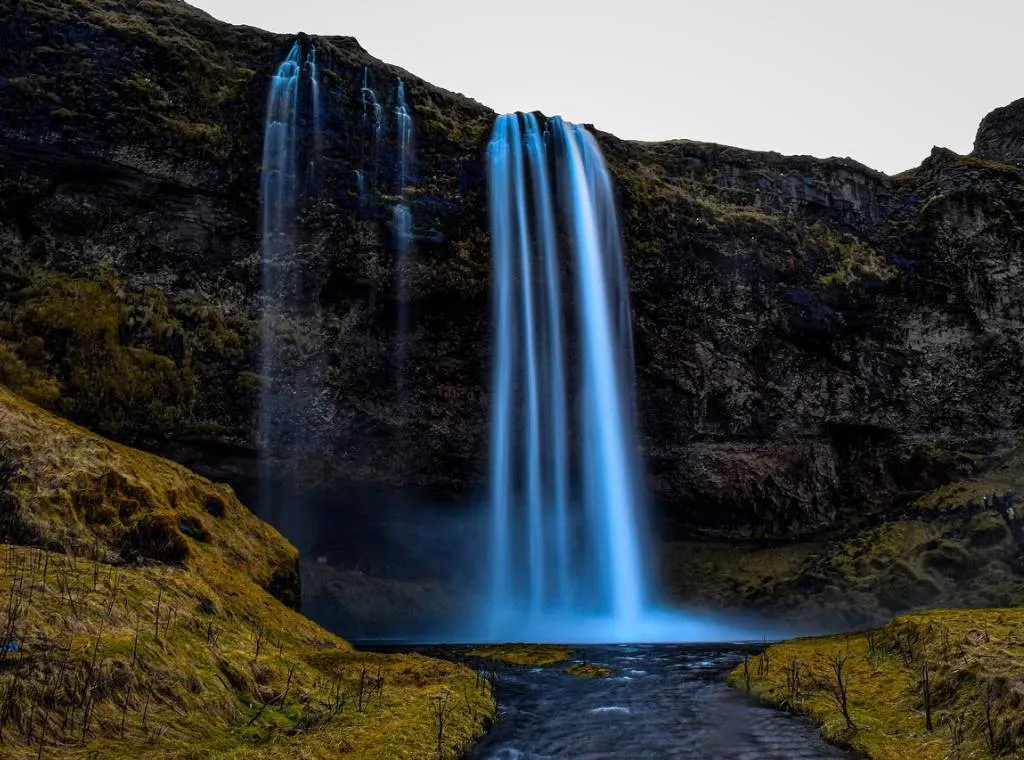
1001,136
840,340
815,340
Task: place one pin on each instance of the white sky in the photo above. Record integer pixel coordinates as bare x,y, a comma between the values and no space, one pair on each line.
881,81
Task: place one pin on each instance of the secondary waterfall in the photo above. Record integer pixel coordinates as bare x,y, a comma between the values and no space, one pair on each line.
373,130
289,165
318,118
402,228
402,216
566,504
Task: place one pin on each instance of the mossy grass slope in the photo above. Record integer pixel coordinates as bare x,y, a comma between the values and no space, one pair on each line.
136,620
965,664
69,490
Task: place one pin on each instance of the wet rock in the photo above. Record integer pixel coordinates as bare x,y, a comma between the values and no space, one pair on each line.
946,558
987,530
902,588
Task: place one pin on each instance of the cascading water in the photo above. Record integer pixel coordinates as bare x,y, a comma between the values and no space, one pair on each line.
373,127
318,117
285,144
568,552
371,106
402,216
277,219
556,560
402,227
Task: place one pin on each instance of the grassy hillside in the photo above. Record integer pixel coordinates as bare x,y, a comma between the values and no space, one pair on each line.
144,613
942,684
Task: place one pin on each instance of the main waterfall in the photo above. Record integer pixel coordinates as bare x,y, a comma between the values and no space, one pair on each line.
566,503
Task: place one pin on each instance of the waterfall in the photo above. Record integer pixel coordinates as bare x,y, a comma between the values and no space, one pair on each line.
609,445
373,126
402,228
360,185
401,215
318,106
278,184
318,117
566,541
556,430
285,144
371,106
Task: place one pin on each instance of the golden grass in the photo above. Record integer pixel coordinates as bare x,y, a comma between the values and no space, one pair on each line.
537,655
180,663
973,657
588,670
143,600
76,491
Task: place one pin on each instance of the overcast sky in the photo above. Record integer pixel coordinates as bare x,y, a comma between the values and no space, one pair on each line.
881,81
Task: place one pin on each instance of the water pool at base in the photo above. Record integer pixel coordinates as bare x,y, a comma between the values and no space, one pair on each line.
661,702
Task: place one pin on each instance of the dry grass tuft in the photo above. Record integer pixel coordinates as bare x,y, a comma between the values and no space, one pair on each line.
137,623
961,672
588,670
536,655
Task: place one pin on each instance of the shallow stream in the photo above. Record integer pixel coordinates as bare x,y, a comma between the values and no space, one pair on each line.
661,702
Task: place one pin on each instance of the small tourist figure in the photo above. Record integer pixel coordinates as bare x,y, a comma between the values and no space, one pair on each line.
984,501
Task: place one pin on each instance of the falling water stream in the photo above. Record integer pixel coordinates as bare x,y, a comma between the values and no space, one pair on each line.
568,552
373,127
279,183
567,543
403,134
402,226
282,175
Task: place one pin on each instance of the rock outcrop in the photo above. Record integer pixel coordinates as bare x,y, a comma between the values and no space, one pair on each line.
815,340
1001,134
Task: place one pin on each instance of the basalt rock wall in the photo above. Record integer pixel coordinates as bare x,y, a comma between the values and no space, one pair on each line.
815,340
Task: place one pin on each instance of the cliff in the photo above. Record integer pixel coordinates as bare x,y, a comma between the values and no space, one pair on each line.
1000,136
815,341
